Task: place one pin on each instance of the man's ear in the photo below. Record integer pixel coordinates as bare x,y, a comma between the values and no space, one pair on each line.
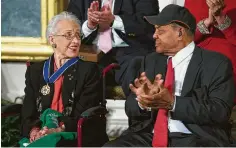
180,33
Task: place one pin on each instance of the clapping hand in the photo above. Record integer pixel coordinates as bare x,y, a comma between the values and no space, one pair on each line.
216,9
152,95
216,6
103,18
106,17
210,20
93,18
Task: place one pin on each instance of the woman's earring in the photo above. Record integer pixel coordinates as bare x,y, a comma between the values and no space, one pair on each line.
54,45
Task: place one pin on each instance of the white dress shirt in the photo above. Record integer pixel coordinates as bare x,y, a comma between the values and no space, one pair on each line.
164,3
180,64
117,24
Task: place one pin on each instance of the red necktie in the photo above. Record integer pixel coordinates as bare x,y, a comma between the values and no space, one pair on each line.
160,137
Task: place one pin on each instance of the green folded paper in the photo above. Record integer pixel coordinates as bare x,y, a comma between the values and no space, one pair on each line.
49,119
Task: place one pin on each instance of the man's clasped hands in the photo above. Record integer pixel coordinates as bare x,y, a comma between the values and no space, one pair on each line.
152,95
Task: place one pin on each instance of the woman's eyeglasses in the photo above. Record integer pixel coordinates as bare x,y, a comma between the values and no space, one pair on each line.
71,36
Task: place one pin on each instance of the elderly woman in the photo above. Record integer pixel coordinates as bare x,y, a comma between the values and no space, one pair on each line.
62,83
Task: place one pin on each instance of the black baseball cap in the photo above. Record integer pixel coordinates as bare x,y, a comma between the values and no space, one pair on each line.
174,14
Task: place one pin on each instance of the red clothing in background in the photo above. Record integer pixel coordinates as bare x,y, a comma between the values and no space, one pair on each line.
219,41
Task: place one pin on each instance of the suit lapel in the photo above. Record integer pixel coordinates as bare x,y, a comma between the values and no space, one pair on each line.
161,66
47,99
117,6
69,82
192,71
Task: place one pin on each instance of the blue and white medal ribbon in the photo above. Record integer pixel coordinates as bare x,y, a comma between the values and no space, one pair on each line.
51,79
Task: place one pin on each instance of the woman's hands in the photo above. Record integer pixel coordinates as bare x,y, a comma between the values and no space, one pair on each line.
216,15
54,130
36,133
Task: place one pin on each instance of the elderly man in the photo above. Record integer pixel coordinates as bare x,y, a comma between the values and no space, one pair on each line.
216,25
117,27
184,94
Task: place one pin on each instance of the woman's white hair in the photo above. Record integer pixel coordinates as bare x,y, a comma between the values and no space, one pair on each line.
51,28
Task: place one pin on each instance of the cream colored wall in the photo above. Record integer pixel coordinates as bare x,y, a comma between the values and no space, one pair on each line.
12,80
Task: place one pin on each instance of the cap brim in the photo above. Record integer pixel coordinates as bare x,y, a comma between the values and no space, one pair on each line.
156,20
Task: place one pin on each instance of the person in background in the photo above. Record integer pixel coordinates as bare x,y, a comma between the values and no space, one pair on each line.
183,95
63,82
117,27
216,25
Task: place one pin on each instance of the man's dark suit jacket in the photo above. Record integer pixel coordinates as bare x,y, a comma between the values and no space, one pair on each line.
206,99
138,33
81,84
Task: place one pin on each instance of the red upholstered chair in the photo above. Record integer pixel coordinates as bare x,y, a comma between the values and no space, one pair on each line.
92,124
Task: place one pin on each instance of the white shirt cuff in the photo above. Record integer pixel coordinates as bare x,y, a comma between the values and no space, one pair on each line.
173,109
86,30
118,24
147,109
140,106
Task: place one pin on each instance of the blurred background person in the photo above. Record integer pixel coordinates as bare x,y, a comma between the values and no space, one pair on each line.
117,27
